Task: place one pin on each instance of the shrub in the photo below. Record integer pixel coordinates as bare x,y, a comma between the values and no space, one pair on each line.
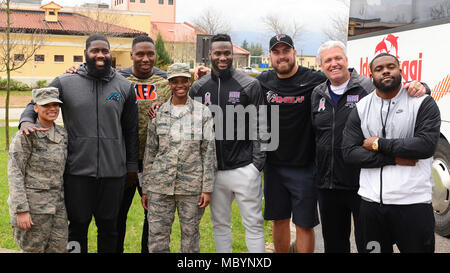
15,85
41,83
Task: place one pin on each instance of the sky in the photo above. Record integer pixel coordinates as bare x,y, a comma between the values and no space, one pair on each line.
245,16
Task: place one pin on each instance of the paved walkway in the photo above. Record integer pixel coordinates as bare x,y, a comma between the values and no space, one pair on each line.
14,116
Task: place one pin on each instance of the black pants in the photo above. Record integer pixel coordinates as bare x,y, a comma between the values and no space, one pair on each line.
410,227
336,209
86,197
122,219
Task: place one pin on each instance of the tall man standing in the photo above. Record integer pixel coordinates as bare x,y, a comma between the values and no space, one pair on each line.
239,161
100,115
392,137
150,85
289,188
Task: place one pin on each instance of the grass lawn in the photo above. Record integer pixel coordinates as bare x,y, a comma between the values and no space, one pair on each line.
134,224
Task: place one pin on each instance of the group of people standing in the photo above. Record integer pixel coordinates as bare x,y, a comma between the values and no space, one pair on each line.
341,145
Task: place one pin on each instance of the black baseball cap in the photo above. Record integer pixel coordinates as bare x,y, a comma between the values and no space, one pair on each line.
281,38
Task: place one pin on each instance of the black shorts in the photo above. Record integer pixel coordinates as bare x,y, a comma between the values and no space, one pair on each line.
290,192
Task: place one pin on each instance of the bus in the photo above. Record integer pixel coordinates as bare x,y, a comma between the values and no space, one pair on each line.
417,32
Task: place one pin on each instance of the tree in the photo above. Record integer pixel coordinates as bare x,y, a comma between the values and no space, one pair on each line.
256,49
275,25
338,23
162,56
440,10
245,45
17,48
211,22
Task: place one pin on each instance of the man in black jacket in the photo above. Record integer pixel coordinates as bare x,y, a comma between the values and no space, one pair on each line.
240,160
338,184
100,115
392,137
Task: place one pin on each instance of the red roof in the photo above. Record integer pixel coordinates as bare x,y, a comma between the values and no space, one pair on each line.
68,23
239,51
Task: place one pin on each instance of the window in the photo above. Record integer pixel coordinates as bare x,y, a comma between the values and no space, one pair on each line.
39,58
142,1
78,59
19,57
59,58
51,13
161,2
170,2
132,1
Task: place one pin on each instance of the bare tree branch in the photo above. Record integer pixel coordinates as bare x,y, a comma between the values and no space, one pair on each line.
15,41
338,26
212,22
275,25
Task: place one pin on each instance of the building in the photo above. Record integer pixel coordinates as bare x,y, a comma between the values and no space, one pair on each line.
161,10
241,57
36,2
309,61
180,40
62,37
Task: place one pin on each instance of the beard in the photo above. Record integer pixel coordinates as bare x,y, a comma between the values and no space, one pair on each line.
96,72
222,71
288,70
396,82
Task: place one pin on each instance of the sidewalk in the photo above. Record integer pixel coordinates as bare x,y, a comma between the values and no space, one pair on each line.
14,116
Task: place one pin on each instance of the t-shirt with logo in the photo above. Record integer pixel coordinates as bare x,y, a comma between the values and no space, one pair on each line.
149,90
293,97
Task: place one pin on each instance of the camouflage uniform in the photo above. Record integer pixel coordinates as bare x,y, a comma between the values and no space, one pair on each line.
179,164
148,91
35,175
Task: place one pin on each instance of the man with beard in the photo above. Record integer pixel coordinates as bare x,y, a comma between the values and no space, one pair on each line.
289,188
151,86
392,137
239,161
100,115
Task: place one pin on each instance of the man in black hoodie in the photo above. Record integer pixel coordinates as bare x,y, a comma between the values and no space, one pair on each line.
100,115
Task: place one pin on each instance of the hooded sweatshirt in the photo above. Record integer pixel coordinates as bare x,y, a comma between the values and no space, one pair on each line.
100,116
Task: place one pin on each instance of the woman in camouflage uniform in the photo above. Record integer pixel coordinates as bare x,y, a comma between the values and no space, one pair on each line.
35,175
179,165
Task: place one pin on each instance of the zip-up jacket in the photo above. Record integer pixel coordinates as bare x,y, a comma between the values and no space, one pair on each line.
232,88
100,116
407,127
328,123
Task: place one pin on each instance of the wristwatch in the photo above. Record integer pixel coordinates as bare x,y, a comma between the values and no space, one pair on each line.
375,145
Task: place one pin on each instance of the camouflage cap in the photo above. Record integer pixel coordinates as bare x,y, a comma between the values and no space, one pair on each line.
178,70
46,95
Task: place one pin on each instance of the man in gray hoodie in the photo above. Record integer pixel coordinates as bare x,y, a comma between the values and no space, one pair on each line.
100,115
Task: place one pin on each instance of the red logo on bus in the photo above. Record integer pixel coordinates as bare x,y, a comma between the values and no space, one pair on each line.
383,46
411,69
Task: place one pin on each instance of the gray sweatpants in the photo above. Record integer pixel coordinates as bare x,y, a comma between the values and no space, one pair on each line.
245,186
